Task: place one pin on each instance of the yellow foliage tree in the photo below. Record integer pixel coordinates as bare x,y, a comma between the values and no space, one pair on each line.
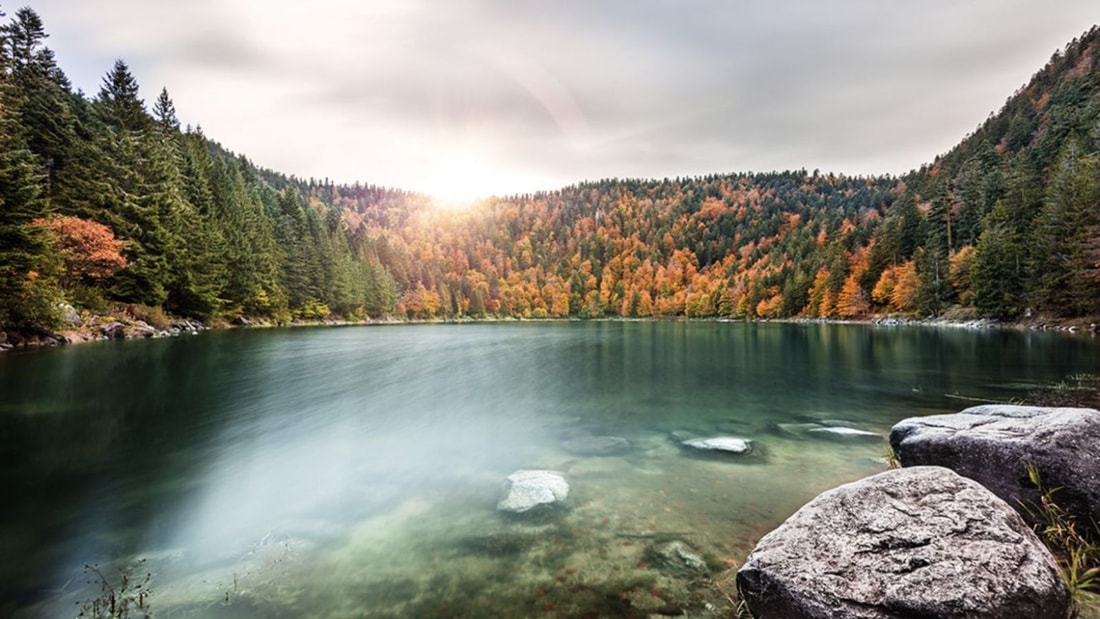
906,293
852,301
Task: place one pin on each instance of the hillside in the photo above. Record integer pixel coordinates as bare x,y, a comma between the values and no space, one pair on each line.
106,200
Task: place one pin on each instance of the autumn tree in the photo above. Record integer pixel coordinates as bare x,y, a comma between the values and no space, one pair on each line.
853,300
89,250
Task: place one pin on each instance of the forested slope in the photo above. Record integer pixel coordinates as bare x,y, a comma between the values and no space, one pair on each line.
106,200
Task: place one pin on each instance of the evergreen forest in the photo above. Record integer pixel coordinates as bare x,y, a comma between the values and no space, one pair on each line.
107,200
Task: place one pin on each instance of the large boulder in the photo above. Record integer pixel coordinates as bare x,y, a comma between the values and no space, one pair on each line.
533,490
906,543
994,445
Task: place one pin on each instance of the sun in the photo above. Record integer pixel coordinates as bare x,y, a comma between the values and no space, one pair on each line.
458,180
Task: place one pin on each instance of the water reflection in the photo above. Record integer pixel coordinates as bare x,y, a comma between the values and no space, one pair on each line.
225,455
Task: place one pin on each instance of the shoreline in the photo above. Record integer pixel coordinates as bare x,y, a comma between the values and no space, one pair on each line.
101,329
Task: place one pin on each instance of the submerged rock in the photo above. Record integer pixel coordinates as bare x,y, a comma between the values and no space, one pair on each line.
721,444
679,559
795,430
994,444
526,490
596,445
841,432
916,542
826,429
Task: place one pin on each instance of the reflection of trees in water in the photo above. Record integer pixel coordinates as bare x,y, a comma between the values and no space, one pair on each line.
115,447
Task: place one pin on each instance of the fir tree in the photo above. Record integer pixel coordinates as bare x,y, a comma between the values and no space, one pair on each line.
164,112
118,97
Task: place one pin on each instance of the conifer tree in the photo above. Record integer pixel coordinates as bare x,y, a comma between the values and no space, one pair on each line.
27,296
24,34
122,108
164,112
1061,233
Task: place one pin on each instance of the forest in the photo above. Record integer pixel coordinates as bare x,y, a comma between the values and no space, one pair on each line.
106,201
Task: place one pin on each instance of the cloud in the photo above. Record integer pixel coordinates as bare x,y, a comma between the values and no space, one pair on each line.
554,93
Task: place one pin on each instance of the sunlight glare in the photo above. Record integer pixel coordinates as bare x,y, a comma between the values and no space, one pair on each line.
459,180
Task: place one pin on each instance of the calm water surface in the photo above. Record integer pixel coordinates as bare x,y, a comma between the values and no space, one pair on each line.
354,472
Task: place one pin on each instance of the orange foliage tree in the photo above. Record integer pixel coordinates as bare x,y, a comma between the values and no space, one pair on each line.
962,262
852,301
898,288
89,250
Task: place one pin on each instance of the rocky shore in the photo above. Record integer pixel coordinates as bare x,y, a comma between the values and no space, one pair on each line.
947,535
80,328
91,328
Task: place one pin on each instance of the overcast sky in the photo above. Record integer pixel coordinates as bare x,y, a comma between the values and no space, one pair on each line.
460,97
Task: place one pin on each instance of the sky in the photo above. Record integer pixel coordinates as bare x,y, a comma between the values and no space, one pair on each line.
466,98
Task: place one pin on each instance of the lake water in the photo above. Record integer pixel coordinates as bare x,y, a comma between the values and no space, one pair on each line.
354,472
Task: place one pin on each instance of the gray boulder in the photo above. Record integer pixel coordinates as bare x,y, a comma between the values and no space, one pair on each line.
142,329
527,490
906,543
596,445
114,331
994,444
69,315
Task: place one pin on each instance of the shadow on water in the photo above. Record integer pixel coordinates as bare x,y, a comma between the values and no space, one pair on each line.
349,471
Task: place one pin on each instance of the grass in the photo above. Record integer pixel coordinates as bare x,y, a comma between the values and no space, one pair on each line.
1075,551
125,598
1079,390
891,458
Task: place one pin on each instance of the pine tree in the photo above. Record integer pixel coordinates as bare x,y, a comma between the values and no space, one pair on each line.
1000,275
28,296
23,36
122,108
136,190
164,112
997,278
1059,259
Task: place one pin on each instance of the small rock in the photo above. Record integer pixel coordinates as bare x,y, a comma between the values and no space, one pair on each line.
140,329
678,558
526,490
721,444
596,445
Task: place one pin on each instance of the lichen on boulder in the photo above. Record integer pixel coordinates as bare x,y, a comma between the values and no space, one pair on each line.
914,542
995,444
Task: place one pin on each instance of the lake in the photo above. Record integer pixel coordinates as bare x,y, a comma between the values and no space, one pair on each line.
355,471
